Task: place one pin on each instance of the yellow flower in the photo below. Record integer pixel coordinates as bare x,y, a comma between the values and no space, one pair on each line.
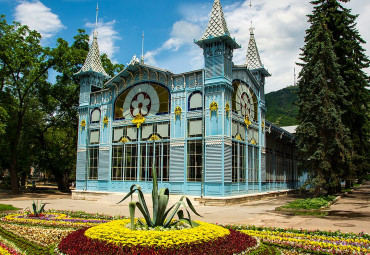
117,232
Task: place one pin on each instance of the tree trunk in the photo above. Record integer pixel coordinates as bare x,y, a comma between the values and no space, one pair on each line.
348,184
14,163
63,183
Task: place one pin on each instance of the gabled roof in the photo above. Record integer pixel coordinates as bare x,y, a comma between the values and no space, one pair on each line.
217,24
253,60
93,62
132,68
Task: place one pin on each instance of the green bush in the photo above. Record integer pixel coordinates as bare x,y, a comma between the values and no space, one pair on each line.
309,203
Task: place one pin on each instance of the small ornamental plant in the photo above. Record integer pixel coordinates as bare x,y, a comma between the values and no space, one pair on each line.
161,217
38,209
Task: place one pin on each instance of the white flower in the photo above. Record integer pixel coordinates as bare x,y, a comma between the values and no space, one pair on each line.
140,105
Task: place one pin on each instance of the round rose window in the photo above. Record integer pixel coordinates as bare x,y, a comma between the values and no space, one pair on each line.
140,104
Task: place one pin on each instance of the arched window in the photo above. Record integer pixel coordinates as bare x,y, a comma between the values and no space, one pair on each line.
245,101
147,99
195,101
95,116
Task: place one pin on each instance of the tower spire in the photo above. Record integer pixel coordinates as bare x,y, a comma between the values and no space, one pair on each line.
217,24
253,60
142,50
93,62
217,28
96,21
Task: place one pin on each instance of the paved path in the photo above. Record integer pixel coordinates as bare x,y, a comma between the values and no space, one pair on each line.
349,214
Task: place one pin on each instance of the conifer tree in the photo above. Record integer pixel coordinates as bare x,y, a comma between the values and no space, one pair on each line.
347,44
321,136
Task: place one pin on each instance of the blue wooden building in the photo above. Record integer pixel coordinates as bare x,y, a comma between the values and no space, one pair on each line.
204,129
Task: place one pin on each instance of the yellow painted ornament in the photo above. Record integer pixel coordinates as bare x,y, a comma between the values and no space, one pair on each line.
238,137
138,120
227,108
253,141
247,121
105,120
123,140
154,137
213,107
178,111
83,123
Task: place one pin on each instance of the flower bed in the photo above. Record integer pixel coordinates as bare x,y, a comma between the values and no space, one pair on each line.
117,232
233,243
311,241
51,219
5,250
39,235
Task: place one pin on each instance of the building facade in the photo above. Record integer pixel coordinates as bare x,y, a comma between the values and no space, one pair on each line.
203,130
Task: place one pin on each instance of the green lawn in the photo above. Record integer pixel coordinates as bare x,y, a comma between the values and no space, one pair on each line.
308,206
7,208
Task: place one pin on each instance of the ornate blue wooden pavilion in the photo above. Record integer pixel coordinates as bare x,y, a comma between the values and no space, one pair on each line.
204,129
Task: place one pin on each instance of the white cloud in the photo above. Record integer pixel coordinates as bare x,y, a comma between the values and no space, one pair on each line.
182,35
38,17
279,31
107,37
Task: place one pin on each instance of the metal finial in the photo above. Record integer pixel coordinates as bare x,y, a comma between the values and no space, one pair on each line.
96,21
252,28
142,50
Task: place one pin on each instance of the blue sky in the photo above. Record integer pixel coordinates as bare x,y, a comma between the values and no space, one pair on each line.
171,26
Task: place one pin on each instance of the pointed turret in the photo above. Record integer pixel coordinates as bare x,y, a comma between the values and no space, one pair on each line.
93,62
218,47
217,24
92,73
253,60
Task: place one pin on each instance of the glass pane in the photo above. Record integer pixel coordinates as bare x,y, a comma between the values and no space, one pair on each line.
94,137
195,127
196,101
242,130
132,133
146,131
117,134
162,130
234,129
95,116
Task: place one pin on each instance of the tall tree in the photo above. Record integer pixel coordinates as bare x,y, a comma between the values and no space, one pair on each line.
57,135
321,136
347,44
25,67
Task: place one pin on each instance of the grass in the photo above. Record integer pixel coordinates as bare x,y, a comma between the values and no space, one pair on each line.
4,207
309,203
308,206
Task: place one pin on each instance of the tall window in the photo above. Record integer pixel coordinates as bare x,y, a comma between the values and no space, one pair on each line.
117,162
238,163
94,161
161,152
253,164
194,173
131,158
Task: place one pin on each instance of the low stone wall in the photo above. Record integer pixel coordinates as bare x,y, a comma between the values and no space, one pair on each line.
232,200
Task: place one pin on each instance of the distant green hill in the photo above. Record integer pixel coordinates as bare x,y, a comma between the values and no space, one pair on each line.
281,108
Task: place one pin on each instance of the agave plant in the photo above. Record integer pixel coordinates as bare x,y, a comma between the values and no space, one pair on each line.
161,216
38,208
